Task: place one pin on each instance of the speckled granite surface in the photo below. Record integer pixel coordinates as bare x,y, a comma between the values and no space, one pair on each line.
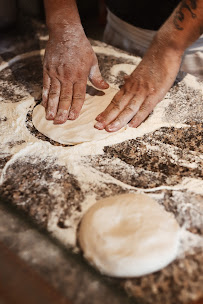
54,184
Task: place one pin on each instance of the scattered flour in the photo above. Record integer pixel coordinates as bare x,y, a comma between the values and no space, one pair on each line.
192,82
19,143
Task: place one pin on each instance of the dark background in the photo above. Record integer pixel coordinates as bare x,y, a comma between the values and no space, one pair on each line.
12,12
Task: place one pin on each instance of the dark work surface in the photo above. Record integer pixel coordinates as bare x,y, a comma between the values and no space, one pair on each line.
164,163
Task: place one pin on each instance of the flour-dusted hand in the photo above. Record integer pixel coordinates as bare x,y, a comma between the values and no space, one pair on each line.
69,61
154,76
143,89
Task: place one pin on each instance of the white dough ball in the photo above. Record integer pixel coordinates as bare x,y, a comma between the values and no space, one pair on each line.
128,235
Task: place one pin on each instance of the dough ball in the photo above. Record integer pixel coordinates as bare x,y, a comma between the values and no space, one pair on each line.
128,235
80,130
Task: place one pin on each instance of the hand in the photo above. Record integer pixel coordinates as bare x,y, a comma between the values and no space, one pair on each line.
143,89
69,60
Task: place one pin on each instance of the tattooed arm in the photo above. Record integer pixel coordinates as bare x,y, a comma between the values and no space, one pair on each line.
185,24
156,73
179,15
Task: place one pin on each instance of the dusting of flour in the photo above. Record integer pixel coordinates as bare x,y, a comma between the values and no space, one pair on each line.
17,142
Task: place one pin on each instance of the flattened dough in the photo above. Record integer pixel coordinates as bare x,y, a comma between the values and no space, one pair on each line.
80,130
128,235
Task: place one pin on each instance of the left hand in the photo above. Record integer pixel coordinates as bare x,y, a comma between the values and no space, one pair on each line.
143,89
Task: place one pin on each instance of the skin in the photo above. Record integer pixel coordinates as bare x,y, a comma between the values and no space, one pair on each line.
70,60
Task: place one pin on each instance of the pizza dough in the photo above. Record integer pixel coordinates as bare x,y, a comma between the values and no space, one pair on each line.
128,235
80,130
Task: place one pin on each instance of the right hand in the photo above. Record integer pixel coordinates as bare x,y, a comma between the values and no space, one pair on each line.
69,61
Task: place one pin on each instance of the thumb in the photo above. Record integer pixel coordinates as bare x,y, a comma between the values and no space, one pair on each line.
96,78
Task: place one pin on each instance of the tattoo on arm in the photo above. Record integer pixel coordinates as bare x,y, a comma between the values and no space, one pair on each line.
189,5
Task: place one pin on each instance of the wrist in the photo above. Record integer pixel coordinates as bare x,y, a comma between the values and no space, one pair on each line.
66,31
62,22
65,27
61,14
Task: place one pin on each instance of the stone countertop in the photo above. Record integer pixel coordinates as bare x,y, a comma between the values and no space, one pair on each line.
55,184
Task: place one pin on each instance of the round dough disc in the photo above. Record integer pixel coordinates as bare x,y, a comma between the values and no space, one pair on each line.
128,235
80,130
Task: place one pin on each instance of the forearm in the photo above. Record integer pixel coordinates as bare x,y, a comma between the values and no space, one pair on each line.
61,13
182,28
68,62
155,74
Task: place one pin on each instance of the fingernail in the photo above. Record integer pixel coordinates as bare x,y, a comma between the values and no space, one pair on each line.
99,126
61,117
98,117
62,114
104,83
113,126
49,115
71,115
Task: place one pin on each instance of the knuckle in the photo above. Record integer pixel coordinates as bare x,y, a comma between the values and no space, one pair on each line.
53,72
69,77
64,71
79,82
67,85
129,109
128,92
59,71
128,88
45,88
63,99
53,93
115,104
146,106
143,108
119,120
66,96
141,117
49,70
78,96
55,84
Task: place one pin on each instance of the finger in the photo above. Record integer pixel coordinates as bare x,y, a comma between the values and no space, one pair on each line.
53,99
79,91
96,78
116,106
144,111
126,115
45,90
65,100
126,77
